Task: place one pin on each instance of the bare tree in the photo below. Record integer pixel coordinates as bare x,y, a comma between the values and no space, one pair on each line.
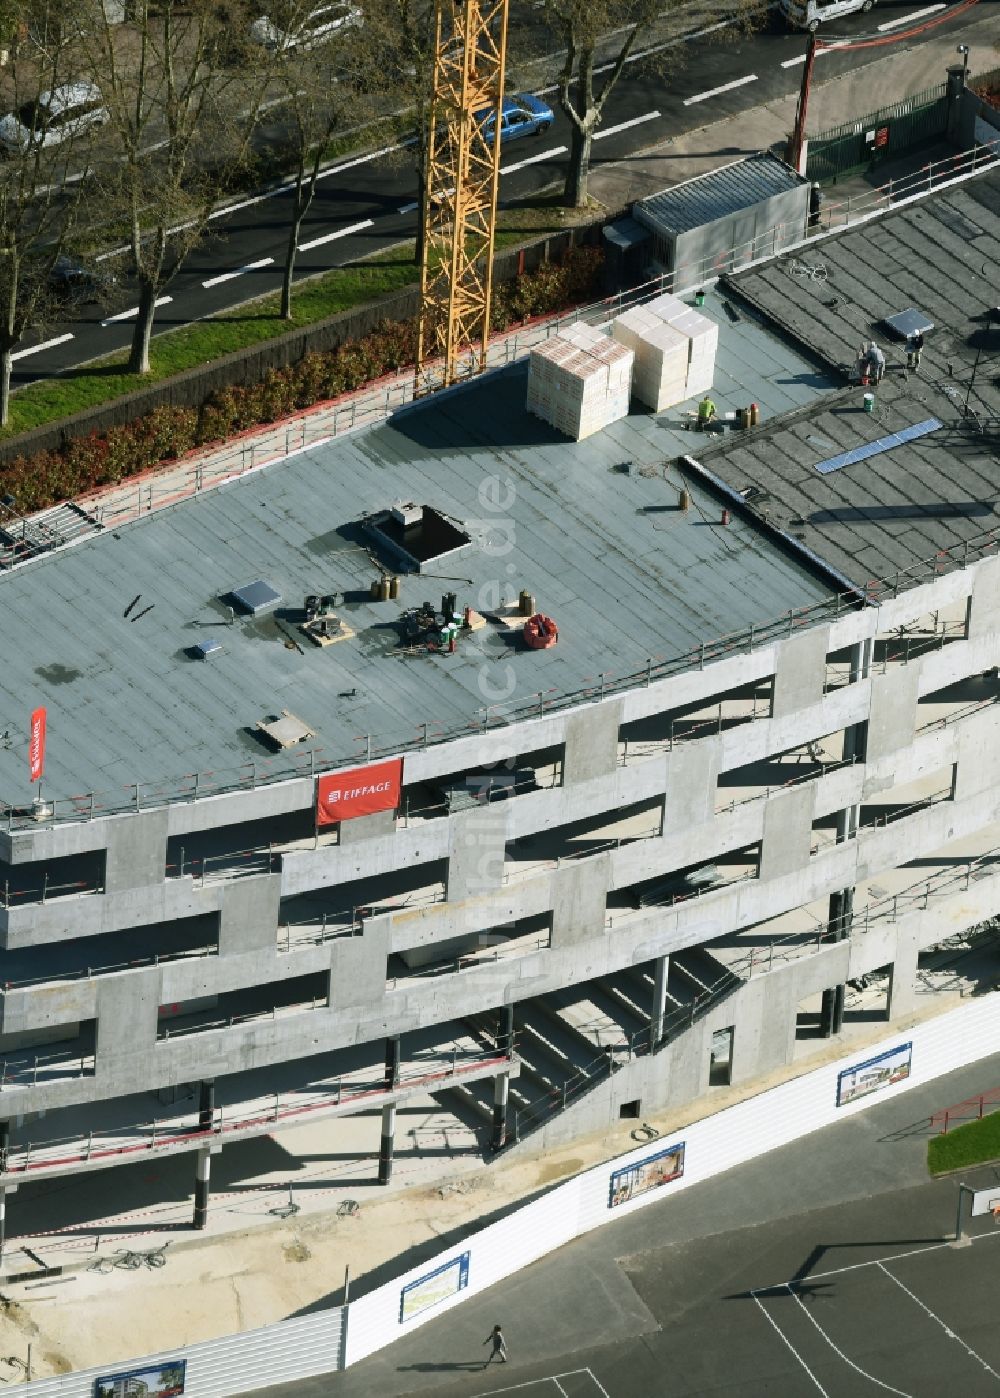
39,205
314,80
585,26
181,120
400,36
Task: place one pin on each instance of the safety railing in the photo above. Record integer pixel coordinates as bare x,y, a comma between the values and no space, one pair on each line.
894,813
380,402
91,972
919,894
236,864
907,646
38,1068
814,773
46,891
350,922
957,715
432,1070
972,1109
485,956
164,1033
685,729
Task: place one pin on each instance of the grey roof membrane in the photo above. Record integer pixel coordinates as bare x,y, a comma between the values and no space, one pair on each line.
887,513
626,575
709,197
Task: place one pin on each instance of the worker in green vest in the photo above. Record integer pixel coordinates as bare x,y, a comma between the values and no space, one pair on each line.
706,412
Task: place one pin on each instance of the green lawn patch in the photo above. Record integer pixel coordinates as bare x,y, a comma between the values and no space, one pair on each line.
971,1144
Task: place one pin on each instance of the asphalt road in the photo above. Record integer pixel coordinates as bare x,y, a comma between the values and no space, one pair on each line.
367,203
824,1268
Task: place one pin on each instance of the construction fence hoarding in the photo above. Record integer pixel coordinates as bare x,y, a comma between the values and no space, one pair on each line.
341,1336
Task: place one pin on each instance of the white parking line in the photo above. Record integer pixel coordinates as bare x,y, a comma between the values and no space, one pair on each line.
944,1326
547,1379
228,276
714,91
625,125
532,160
408,208
127,315
908,19
340,233
787,1342
900,1392
37,349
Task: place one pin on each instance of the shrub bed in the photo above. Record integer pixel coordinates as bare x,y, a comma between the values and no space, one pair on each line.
47,477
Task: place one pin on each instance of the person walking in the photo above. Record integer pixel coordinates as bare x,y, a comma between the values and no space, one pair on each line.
499,1350
913,349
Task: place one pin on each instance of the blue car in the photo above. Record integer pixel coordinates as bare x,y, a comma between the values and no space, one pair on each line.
523,115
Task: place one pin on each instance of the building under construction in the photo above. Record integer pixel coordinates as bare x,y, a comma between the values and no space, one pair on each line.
320,828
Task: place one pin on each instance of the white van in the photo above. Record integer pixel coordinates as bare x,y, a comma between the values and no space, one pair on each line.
53,117
810,14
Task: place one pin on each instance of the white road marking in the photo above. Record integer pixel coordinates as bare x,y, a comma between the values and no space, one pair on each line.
228,276
340,233
787,1342
908,19
37,349
793,62
944,1326
127,315
596,1380
408,208
548,1378
625,125
532,160
900,1392
714,91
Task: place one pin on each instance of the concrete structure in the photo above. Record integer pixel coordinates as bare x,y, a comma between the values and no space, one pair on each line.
760,764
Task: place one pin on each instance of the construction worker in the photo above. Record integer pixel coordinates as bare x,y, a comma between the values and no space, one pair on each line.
872,364
706,412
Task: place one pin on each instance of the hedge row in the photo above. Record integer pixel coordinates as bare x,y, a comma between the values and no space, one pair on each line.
167,433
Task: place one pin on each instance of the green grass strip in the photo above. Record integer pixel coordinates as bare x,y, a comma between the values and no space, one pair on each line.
313,300
971,1144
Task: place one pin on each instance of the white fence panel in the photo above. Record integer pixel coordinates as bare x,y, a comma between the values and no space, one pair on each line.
495,1252
302,1348
312,1345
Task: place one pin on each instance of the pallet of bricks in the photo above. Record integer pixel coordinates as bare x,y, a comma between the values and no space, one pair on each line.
674,348
580,381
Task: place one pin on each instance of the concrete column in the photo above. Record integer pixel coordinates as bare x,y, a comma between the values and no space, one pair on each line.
386,1144
392,1062
505,1038
501,1087
201,1187
661,973
4,1148
841,912
206,1104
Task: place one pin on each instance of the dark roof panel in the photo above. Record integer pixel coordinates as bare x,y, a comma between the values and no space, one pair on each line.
710,197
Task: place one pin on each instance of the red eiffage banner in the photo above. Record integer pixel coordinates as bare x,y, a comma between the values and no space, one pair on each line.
363,791
36,746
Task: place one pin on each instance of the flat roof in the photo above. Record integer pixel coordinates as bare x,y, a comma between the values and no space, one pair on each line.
893,503
706,198
606,552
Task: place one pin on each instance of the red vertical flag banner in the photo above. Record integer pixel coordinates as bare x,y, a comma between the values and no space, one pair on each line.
36,746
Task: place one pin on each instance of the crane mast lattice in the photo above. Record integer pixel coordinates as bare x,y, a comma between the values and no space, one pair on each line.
460,188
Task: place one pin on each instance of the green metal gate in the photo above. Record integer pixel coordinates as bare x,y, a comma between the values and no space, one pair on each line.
887,132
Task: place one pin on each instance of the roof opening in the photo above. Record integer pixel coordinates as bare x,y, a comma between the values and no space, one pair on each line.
417,534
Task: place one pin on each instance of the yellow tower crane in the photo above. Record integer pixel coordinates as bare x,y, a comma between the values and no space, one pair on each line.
460,189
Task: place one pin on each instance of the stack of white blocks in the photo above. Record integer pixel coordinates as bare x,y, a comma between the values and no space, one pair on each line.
674,348
580,381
